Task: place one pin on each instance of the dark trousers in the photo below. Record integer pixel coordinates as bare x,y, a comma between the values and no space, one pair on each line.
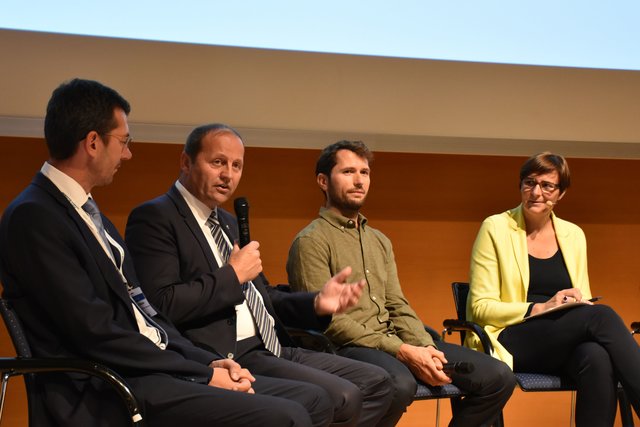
359,392
591,345
167,401
276,403
489,386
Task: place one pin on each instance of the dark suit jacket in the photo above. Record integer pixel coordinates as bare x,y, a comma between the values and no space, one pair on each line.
73,303
179,274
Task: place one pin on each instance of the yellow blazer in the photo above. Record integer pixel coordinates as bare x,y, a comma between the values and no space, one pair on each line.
499,277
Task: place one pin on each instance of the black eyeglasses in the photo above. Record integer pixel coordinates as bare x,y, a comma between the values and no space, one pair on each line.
529,184
126,142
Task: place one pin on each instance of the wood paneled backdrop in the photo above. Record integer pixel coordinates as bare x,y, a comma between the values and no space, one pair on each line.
430,206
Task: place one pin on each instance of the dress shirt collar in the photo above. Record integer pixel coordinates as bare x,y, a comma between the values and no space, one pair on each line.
341,222
67,185
200,211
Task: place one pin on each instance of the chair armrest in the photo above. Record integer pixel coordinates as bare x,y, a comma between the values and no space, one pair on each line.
434,334
455,325
10,366
311,340
635,328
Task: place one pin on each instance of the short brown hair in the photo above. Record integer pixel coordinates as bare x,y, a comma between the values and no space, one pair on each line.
327,159
547,162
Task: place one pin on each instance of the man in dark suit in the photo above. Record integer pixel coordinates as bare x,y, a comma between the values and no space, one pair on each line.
186,269
71,280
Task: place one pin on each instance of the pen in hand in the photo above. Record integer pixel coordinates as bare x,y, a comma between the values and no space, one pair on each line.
565,299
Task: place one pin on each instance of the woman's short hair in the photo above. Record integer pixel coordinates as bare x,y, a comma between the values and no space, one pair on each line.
547,162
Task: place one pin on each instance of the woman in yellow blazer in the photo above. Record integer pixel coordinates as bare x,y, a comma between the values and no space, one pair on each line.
526,261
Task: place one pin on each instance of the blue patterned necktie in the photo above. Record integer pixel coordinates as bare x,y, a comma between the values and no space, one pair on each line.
262,318
139,300
91,208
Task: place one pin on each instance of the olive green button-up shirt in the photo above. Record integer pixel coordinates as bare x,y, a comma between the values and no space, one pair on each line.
382,319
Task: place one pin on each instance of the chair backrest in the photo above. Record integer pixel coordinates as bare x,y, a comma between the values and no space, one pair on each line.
35,404
460,292
29,367
14,327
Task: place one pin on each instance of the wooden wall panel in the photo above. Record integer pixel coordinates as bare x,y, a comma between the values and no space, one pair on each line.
429,205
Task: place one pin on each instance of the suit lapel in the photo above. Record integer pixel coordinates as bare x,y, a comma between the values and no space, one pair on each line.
104,263
192,225
519,244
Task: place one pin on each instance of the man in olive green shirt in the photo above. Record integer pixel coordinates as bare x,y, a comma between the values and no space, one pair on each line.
382,328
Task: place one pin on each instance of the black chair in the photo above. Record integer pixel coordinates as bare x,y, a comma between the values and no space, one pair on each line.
317,341
528,382
625,406
28,367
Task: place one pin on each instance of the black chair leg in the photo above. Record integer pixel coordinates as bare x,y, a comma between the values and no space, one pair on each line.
625,409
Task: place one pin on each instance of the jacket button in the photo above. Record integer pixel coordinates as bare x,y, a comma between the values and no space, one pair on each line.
229,355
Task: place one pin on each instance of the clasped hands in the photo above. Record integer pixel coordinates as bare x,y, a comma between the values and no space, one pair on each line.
426,363
230,375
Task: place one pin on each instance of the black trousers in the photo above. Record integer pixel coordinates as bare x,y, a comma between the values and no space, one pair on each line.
276,403
359,392
591,345
167,401
489,386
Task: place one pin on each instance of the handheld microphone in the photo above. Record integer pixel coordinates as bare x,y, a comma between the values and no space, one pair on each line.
241,207
458,368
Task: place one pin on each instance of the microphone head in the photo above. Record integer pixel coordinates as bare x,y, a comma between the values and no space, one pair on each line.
465,367
241,206
549,203
458,368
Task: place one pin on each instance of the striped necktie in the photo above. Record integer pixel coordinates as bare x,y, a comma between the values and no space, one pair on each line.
261,316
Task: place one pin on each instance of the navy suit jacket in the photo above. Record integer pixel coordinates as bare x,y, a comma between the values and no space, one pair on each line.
180,275
73,303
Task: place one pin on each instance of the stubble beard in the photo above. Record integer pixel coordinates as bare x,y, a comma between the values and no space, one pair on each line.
346,205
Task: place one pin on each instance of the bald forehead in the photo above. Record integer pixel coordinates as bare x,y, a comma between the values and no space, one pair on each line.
223,142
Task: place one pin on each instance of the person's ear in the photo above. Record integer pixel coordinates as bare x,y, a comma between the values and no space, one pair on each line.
323,181
185,163
90,143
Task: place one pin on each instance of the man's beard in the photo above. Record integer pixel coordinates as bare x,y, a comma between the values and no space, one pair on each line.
345,204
